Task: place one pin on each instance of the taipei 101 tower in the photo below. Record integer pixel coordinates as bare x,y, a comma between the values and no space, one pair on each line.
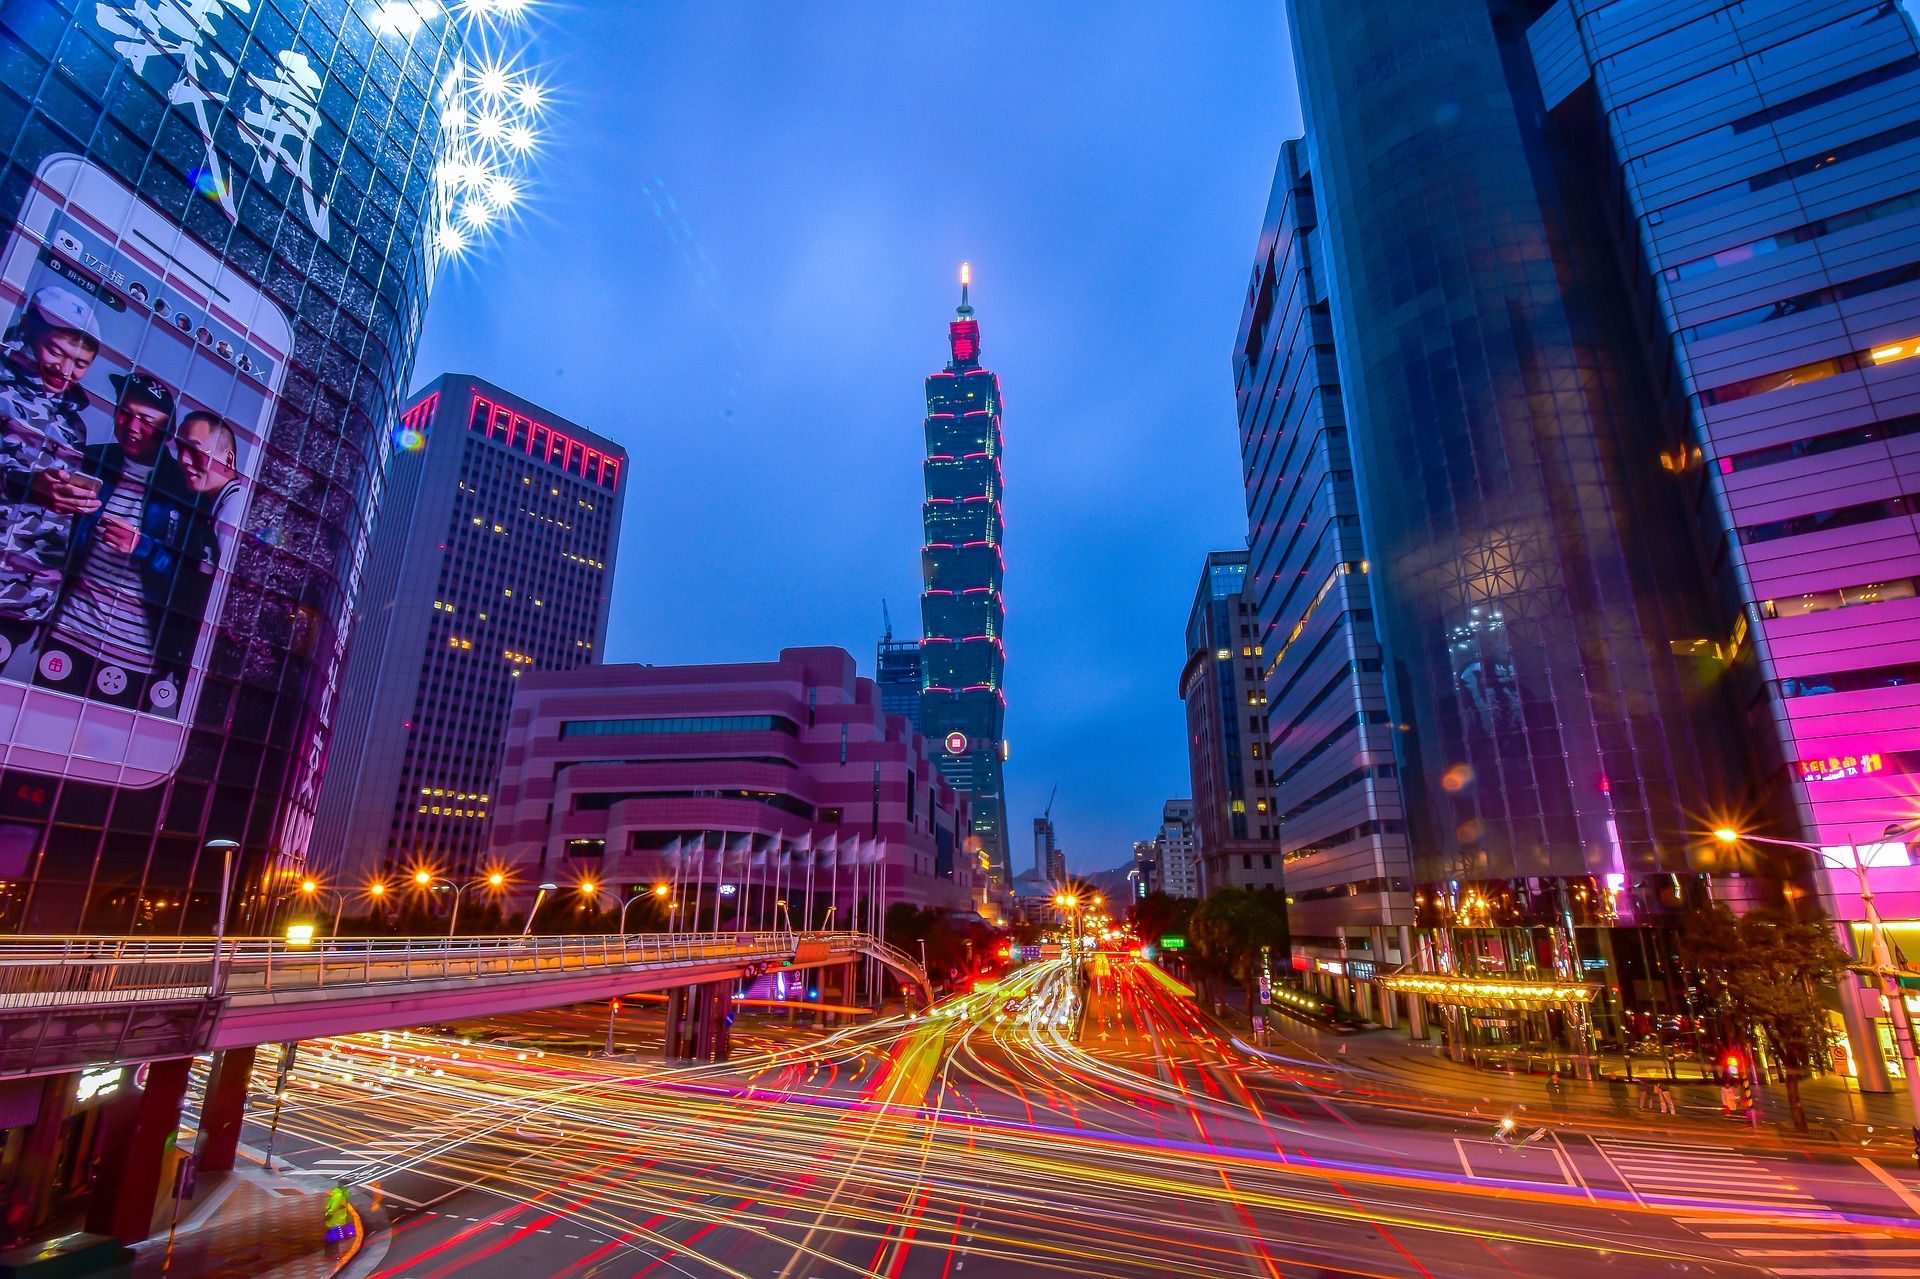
962,705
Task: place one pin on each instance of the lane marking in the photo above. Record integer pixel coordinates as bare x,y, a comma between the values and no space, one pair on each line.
1891,1183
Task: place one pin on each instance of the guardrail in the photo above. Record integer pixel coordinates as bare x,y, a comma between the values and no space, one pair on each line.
54,972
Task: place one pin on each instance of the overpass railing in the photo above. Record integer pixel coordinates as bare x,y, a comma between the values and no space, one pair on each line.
56,972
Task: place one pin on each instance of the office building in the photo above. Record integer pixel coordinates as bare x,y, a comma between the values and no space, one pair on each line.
1329,738
1049,863
1176,851
1141,877
492,558
897,671
1622,337
737,786
1226,701
1764,162
963,704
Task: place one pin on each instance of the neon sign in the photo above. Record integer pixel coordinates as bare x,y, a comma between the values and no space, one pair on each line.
1837,767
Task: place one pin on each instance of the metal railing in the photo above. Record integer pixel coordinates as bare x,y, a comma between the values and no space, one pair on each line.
59,972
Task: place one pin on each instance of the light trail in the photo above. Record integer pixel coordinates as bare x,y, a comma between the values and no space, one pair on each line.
981,1130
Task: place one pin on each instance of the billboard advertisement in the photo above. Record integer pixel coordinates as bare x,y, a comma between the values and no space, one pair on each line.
137,383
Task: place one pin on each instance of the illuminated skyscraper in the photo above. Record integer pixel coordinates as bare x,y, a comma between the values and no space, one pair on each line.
962,706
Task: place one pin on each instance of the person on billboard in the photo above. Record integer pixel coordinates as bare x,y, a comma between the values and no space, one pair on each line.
101,640
208,455
189,522
42,438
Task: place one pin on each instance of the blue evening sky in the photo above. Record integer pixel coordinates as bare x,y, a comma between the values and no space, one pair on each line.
739,262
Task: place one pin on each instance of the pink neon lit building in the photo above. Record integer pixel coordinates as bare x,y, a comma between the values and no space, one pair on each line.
734,785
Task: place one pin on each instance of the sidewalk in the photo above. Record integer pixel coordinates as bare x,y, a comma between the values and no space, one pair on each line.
1840,1118
248,1224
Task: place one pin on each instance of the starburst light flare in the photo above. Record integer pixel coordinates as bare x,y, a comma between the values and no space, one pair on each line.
492,112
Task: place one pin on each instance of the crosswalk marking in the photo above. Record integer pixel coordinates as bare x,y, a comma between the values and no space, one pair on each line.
1687,1179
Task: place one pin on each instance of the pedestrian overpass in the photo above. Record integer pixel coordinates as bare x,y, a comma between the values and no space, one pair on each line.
71,1003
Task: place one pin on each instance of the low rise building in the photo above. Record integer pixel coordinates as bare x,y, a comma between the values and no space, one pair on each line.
729,789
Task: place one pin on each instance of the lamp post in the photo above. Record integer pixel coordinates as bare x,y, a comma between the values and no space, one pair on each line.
226,847
1883,966
659,891
423,878
537,899
781,906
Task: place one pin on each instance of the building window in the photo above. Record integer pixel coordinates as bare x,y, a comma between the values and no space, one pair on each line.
1246,861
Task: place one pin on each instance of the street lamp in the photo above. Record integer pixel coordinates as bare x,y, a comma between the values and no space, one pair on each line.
495,881
311,890
1883,965
781,906
226,847
537,899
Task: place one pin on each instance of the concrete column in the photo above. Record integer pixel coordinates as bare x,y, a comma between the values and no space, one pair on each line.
31,1192
128,1183
1416,1017
1389,1014
722,1000
676,1018
223,1109
1858,1006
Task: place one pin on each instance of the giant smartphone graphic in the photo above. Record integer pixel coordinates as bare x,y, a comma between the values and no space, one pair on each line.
138,377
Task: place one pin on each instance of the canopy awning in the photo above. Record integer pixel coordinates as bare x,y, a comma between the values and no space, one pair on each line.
1491,992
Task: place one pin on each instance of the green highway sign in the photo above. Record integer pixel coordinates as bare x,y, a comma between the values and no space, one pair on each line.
1173,942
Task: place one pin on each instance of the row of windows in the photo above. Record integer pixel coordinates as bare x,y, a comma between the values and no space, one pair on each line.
1346,836
1896,676
1838,517
1813,371
1801,303
1819,229
693,724
1357,889
1842,597
1833,441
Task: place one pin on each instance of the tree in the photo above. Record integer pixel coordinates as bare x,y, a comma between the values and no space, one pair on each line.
1229,928
1156,915
1762,973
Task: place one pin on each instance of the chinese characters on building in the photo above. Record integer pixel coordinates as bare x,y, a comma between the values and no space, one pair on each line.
281,123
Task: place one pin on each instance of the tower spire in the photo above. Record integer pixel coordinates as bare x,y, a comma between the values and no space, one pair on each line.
963,332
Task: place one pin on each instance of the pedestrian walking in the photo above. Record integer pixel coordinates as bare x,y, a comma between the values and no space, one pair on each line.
1664,1095
1646,1095
1729,1100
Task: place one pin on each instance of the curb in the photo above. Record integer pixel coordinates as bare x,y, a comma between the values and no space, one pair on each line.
1825,1139
374,1233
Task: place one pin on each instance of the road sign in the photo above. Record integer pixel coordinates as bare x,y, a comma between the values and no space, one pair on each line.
1173,941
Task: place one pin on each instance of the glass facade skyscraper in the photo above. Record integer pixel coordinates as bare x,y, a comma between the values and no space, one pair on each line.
1329,742
1764,162
227,203
962,703
1545,625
